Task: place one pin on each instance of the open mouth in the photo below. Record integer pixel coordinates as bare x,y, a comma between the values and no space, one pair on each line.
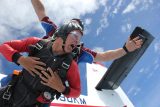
72,46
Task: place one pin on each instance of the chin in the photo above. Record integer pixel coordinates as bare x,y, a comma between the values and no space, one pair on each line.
68,51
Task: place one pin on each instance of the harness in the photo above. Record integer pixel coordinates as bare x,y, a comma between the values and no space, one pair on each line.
29,90
7,92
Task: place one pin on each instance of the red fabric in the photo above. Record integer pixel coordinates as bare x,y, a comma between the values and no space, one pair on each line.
73,105
7,49
42,100
90,51
73,78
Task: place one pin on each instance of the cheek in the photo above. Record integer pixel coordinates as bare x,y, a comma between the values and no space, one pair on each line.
70,39
68,48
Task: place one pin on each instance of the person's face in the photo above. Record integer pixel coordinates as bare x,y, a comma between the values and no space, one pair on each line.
73,39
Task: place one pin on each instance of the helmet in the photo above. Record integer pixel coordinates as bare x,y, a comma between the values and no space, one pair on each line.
66,28
80,22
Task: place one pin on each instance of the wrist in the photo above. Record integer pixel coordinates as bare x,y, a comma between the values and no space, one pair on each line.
62,89
66,91
125,49
20,60
15,58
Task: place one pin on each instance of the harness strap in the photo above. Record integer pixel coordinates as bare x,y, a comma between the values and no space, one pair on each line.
37,47
61,63
9,89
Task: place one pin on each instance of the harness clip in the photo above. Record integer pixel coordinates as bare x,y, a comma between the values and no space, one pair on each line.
39,46
65,65
7,94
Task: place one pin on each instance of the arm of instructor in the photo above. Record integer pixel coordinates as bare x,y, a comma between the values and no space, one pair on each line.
39,9
131,46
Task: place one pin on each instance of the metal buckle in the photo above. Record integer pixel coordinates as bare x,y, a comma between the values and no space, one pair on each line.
64,65
7,94
39,46
47,95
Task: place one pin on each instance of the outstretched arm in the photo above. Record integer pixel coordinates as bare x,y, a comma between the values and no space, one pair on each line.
131,45
110,55
39,8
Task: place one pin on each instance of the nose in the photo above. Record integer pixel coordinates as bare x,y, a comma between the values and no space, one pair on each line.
77,42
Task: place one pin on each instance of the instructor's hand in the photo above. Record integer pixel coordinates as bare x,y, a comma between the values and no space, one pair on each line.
134,44
31,64
52,80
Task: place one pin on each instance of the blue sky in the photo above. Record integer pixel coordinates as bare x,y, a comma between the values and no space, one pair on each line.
107,26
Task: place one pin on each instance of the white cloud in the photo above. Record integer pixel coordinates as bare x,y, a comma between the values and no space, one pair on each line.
4,35
63,9
88,21
141,70
137,5
102,2
114,2
137,90
134,90
156,64
118,6
87,27
104,21
98,49
130,7
157,47
19,14
109,11
126,27
16,14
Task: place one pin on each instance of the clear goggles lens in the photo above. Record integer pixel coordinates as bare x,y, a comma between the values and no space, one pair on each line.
76,34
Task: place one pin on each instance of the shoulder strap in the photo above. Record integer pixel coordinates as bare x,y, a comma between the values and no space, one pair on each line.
65,64
38,46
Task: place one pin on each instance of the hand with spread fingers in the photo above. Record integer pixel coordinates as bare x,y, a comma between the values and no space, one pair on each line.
134,44
52,80
32,64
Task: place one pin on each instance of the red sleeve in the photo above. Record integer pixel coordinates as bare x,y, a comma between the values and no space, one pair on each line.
73,78
7,49
90,51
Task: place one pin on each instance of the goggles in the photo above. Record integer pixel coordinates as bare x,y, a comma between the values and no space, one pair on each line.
76,34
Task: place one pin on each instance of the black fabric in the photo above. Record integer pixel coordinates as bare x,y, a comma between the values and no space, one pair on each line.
125,49
15,57
66,91
28,87
80,23
4,103
7,92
